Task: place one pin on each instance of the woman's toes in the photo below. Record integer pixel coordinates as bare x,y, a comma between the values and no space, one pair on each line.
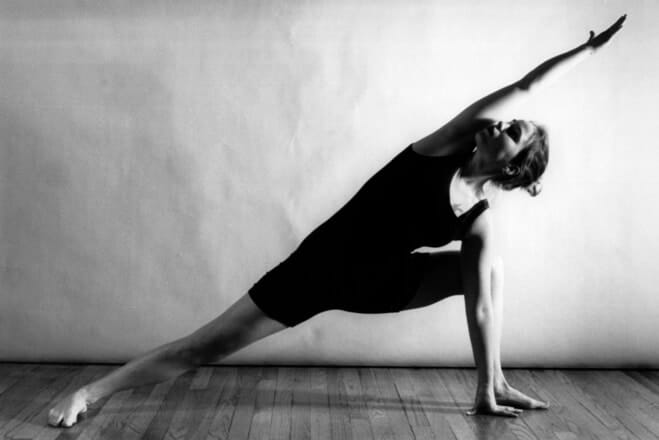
54,418
65,413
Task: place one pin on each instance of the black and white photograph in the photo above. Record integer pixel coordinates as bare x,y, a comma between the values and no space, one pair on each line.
329,219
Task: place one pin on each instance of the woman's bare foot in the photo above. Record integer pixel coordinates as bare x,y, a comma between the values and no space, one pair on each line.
507,395
65,413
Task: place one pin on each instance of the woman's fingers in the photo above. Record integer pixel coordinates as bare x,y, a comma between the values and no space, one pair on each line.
513,397
615,27
539,404
510,411
621,20
498,410
600,39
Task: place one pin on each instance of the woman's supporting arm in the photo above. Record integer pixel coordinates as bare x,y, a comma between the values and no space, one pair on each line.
504,393
476,262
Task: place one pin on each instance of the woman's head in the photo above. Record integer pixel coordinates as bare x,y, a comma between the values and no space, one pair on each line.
519,149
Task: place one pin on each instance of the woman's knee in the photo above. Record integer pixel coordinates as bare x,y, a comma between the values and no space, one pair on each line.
208,353
240,325
199,348
180,351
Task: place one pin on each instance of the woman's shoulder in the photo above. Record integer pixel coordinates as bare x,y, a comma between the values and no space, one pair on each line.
480,227
424,147
448,141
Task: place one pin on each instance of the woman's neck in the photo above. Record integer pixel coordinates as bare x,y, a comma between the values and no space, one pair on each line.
476,172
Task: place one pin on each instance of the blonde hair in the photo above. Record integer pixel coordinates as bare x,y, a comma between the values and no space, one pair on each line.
525,169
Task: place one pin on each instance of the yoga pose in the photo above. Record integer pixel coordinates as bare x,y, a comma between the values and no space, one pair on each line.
362,258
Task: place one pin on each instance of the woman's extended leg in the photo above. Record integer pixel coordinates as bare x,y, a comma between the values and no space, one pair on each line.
443,279
240,325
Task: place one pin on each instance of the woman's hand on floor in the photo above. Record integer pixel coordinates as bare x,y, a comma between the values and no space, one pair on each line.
487,405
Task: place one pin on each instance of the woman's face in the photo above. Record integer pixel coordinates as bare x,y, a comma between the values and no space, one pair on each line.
500,142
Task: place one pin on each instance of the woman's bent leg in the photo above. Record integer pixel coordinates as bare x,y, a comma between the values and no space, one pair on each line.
442,278
240,325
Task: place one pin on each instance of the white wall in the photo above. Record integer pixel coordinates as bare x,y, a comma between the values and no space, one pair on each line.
155,160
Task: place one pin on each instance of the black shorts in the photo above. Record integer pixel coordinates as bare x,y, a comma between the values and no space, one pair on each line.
299,288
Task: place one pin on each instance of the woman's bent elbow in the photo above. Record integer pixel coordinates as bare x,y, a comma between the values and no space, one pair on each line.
484,314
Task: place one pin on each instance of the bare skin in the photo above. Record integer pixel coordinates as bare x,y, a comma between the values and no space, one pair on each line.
244,323
495,150
239,326
481,281
442,280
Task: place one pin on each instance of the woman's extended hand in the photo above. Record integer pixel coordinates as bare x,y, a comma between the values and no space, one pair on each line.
599,40
487,405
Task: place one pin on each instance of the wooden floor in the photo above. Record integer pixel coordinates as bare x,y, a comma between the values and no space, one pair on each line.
331,403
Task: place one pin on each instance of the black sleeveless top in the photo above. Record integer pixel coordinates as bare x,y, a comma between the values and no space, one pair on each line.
404,206
361,258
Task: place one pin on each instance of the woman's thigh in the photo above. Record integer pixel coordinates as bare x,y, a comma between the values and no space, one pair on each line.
440,279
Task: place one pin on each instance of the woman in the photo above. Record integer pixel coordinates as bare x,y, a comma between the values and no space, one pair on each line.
361,259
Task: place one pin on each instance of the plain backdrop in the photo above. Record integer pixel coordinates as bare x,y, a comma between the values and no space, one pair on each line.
157,158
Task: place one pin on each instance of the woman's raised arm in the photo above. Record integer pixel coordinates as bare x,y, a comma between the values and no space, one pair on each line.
559,64
493,106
